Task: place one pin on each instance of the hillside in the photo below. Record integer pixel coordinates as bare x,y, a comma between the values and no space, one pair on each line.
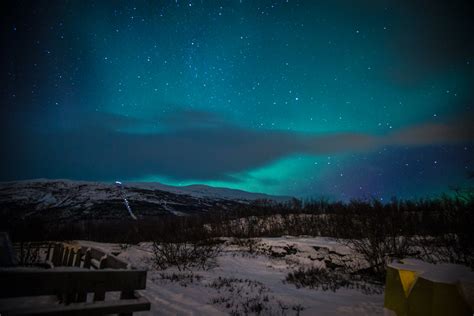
64,200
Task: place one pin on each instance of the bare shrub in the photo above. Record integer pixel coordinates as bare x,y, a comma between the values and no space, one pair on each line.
379,249
333,279
250,245
379,232
184,279
298,309
451,238
185,255
243,296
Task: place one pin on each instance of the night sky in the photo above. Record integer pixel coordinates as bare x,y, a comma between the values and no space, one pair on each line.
303,98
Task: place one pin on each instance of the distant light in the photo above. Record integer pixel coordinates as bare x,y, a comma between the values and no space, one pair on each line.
127,205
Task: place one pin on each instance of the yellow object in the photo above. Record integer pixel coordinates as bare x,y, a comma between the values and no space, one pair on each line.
415,288
407,278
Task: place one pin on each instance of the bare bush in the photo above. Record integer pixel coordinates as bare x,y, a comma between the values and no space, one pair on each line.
183,279
250,245
333,280
380,233
379,250
244,297
452,237
185,255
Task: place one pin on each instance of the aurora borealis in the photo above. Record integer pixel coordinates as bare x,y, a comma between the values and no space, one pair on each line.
303,98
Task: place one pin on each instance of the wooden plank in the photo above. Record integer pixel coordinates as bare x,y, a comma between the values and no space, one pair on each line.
97,254
81,295
51,282
56,250
66,256
7,253
109,261
48,253
103,262
99,295
87,259
60,255
77,263
112,261
70,261
115,263
97,308
49,265
95,264
26,256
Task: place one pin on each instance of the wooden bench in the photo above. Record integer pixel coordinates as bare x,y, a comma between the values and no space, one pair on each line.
78,282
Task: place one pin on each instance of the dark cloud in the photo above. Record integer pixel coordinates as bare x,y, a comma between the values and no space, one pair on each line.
433,134
193,151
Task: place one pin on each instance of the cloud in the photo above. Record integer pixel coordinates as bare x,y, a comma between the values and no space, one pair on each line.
433,134
214,150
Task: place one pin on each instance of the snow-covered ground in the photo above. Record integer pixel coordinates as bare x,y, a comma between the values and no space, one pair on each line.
242,282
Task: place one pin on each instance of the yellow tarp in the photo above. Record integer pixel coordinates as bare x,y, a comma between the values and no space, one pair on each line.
409,293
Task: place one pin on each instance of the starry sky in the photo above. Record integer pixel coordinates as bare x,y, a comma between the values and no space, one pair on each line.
337,99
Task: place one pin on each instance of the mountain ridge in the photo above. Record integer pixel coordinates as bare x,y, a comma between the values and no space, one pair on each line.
64,199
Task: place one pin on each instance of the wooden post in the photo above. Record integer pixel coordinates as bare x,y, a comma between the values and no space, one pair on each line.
7,253
55,257
100,295
103,262
27,255
64,282
48,253
87,259
48,282
82,295
66,256
77,263
70,261
61,255
20,256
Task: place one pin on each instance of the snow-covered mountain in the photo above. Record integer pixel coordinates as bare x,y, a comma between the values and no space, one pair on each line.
205,191
66,199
